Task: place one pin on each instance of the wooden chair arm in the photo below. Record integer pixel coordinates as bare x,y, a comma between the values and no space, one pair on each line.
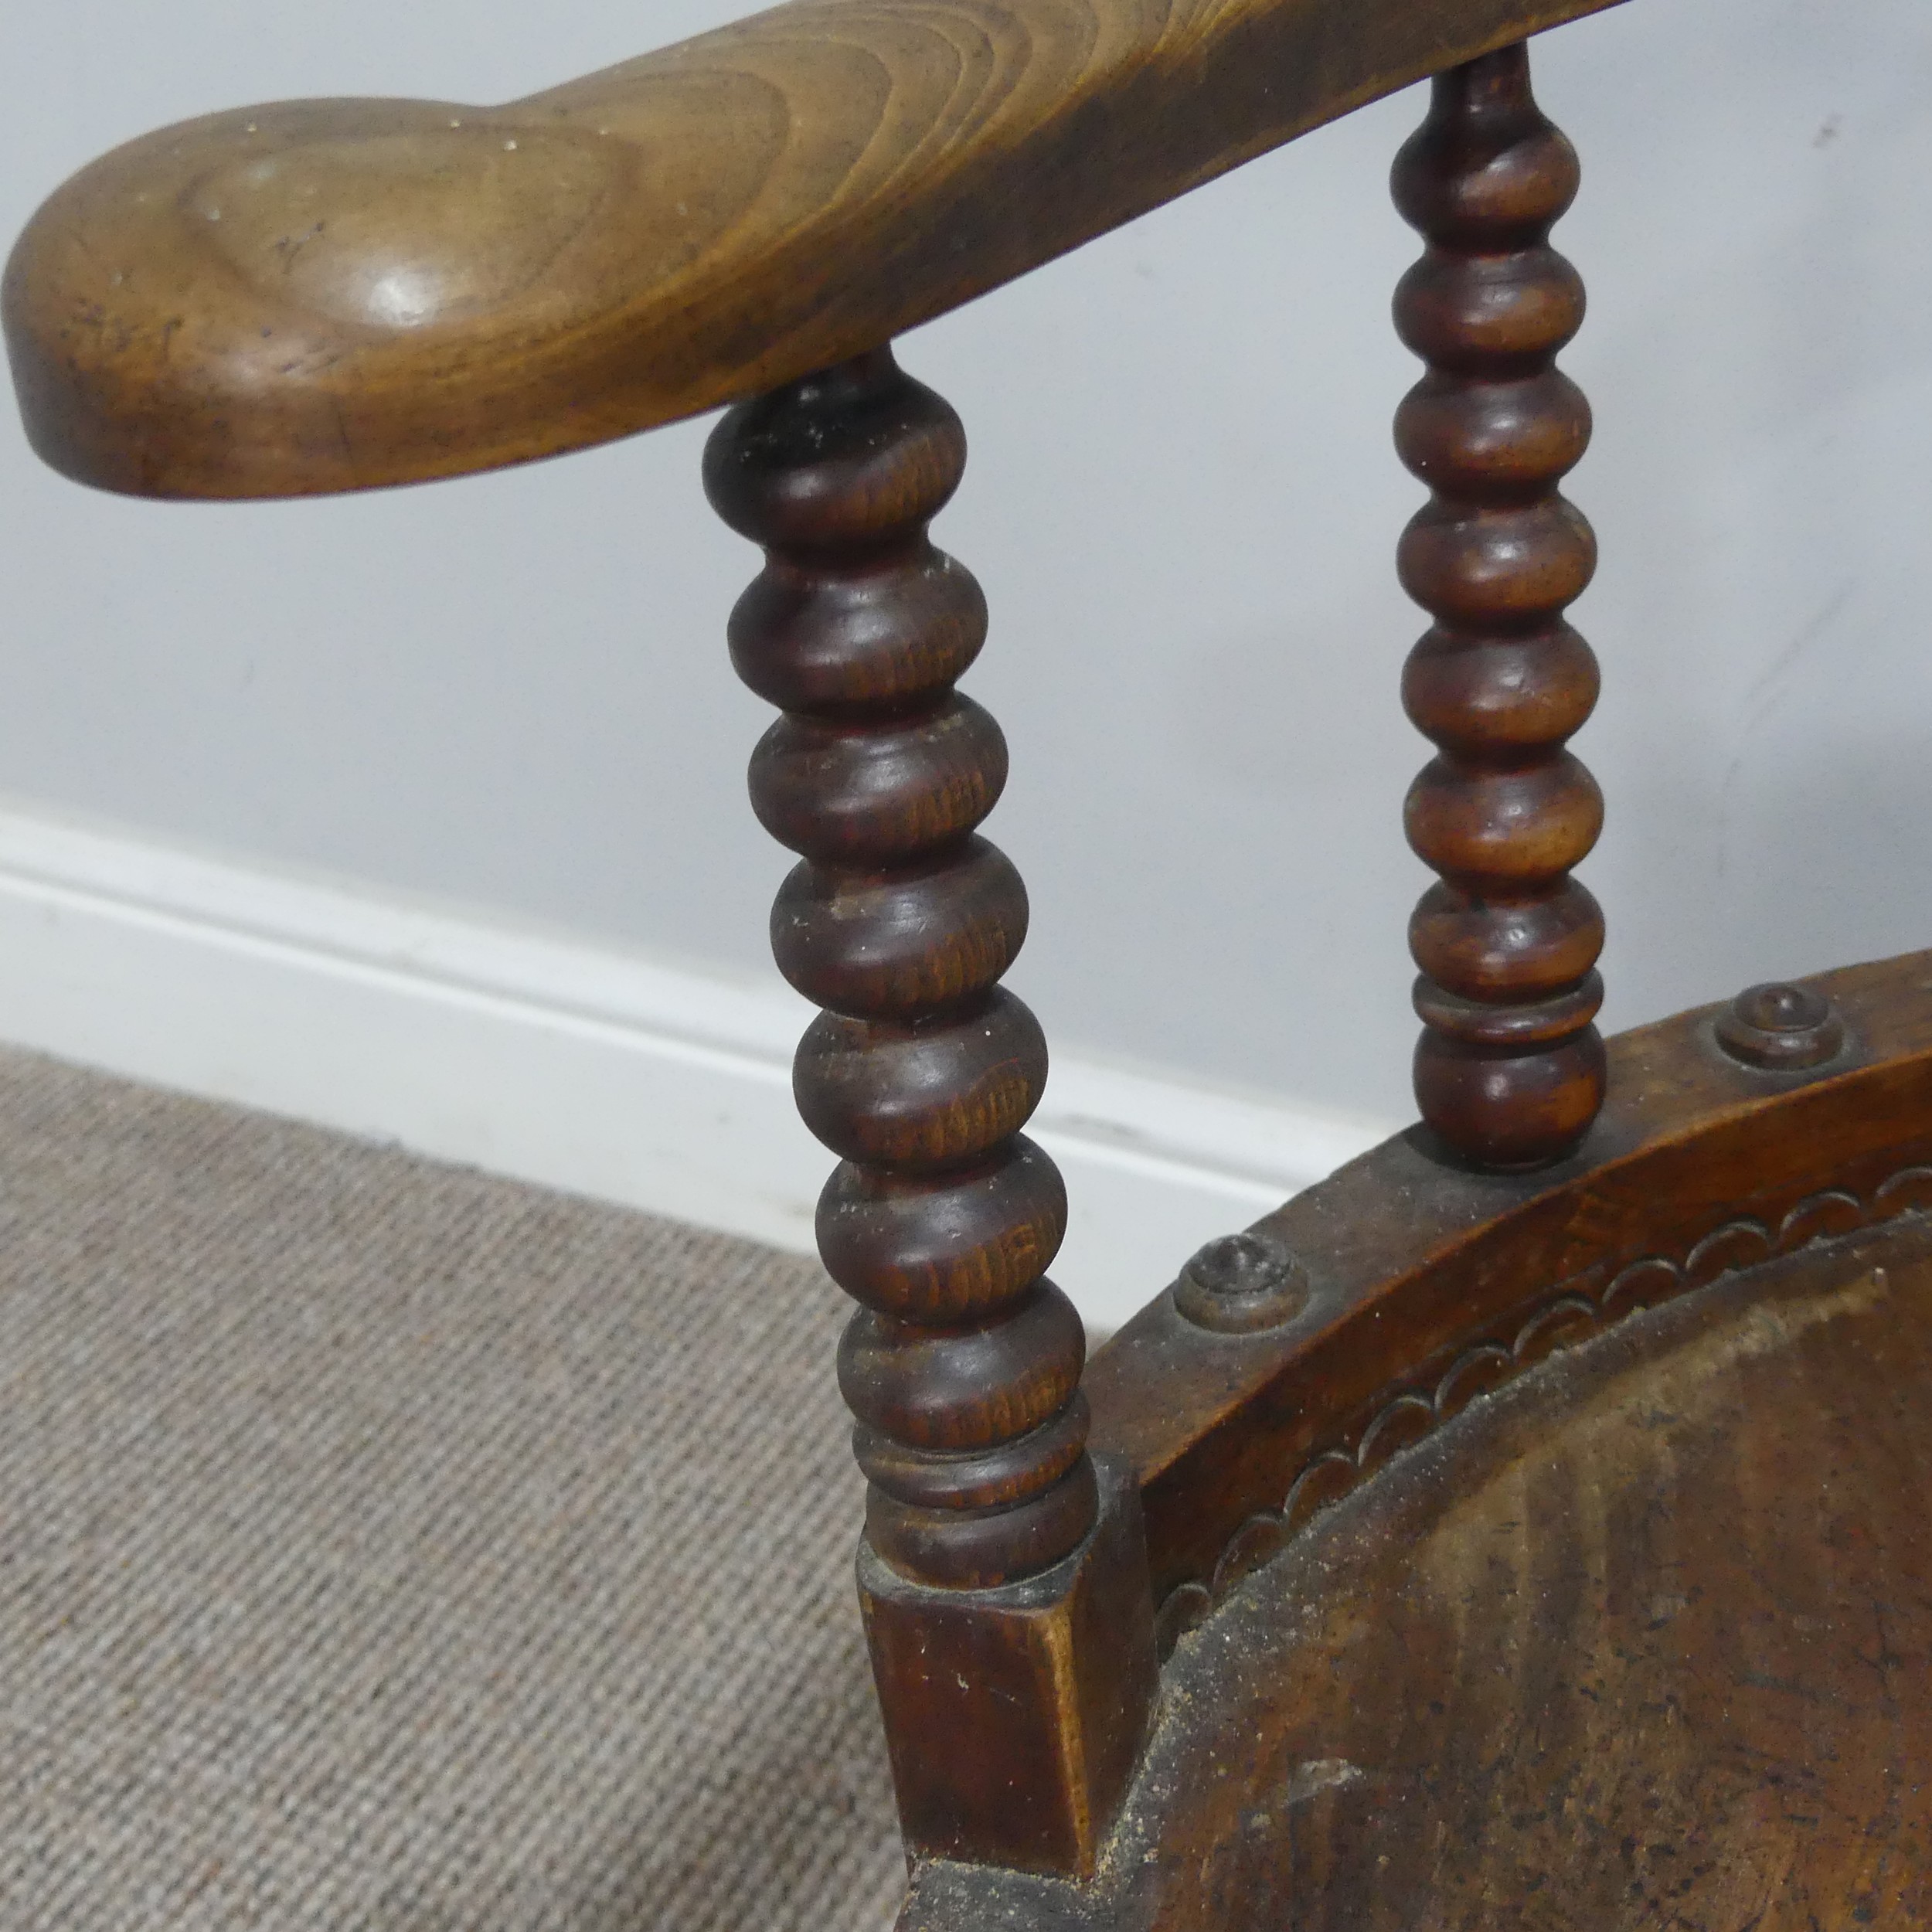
330,295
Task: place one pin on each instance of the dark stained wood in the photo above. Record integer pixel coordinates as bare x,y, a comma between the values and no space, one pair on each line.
1016,1716
1779,1025
1645,1640
1539,1547
1428,1283
963,1365
334,295
1240,1283
1008,1614
1509,1070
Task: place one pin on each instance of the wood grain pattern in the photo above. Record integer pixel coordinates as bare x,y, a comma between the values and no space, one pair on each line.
963,1363
1412,1265
1571,1312
1643,1641
1509,1069
1015,1716
334,295
1005,1592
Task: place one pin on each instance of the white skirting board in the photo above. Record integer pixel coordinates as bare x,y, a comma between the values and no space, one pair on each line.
577,1066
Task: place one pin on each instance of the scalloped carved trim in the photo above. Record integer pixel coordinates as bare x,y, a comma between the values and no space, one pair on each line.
1569,1314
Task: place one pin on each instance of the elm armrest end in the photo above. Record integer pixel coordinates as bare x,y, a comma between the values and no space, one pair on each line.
318,296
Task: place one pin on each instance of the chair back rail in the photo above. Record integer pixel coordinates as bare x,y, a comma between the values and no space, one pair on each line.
327,295
1423,1284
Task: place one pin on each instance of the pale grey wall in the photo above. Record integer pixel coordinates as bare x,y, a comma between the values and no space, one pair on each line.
511,692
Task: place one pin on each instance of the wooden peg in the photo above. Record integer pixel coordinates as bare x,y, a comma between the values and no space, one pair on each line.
1509,1069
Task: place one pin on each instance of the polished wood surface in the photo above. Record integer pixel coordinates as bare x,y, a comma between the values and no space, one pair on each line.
963,1364
1428,1283
1509,1070
1414,1292
332,295
1007,1613
1645,1640
1015,1716
1531,1515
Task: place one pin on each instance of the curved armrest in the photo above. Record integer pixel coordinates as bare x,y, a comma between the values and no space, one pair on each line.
333,295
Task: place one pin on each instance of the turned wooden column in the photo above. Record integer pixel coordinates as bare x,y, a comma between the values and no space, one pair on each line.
963,1364
1509,1069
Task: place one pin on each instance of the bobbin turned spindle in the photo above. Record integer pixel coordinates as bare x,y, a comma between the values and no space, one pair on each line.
1003,1579
963,1365
1509,1069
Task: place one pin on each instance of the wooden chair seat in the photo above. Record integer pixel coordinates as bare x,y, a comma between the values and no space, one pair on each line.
1644,1639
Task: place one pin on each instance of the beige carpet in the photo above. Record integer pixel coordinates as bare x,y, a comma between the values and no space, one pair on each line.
384,1547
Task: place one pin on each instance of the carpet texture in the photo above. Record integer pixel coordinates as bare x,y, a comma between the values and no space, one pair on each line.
385,1546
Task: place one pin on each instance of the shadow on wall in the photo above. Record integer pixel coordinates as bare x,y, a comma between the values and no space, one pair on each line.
1767,701
1311,779
1859,835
